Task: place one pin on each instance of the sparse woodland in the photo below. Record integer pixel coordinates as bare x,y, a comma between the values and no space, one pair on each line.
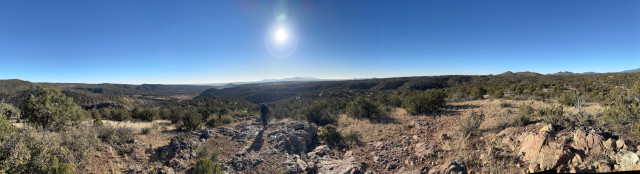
68,128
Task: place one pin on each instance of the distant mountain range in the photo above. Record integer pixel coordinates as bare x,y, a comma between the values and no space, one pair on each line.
591,72
292,79
632,71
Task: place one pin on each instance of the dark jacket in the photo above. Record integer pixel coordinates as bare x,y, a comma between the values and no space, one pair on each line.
264,110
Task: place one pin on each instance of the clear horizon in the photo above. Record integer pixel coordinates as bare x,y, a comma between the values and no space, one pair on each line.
197,42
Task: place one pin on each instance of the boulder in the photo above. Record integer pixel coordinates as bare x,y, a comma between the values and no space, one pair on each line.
293,138
345,166
595,142
453,166
165,170
552,156
532,145
244,160
320,152
580,141
629,161
295,165
542,154
423,150
610,144
591,143
620,144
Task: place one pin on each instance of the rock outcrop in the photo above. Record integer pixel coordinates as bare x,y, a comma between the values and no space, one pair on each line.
321,161
294,137
452,167
541,153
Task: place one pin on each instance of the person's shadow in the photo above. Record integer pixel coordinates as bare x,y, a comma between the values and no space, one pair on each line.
257,142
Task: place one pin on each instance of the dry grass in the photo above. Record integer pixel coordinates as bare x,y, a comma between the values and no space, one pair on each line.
138,126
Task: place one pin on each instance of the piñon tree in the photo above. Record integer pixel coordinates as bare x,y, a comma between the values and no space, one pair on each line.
52,110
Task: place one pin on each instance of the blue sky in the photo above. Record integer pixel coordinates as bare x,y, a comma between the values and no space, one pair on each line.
158,41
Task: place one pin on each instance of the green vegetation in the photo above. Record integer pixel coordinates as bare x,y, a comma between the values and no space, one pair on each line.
420,102
37,150
215,121
568,99
505,105
191,120
471,124
363,108
552,115
524,115
477,92
52,110
113,135
6,112
330,135
206,166
353,138
323,112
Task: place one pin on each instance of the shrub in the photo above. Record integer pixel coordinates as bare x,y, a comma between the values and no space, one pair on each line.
112,135
80,143
331,136
635,128
423,102
524,115
191,120
214,121
353,138
145,130
52,110
388,99
322,113
553,115
477,92
9,111
97,118
497,93
120,114
164,113
568,99
471,124
56,167
521,120
5,124
505,104
146,114
457,97
363,108
206,153
26,151
206,166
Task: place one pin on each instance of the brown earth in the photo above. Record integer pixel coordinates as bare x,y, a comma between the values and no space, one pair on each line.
400,143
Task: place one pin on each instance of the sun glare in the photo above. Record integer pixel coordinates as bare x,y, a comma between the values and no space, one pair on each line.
281,35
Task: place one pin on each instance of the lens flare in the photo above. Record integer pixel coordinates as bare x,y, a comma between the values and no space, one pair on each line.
281,35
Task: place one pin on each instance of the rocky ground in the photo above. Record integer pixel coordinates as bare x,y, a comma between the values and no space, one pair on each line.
398,143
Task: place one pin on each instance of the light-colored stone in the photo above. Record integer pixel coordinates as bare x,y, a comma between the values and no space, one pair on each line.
551,156
590,143
602,167
346,166
577,160
610,144
548,129
620,144
629,161
532,145
453,167
595,143
580,140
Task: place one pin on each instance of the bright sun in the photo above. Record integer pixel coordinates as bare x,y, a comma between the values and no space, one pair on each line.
281,35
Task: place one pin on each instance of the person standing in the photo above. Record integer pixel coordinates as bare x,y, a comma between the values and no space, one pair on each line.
264,112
